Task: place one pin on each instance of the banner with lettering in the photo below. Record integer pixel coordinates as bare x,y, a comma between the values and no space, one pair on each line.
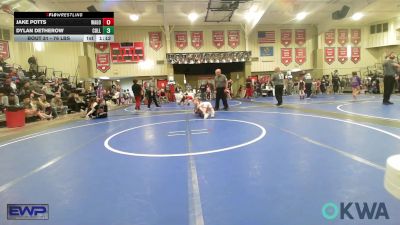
355,54
197,39
342,54
218,38
233,38
343,36
286,37
127,52
286,56
101,46
329,55
155,40
103,62
330,37
300,36
4,50
355,36
300,55
181,39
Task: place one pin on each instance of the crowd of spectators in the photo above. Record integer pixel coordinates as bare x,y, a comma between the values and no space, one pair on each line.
46,99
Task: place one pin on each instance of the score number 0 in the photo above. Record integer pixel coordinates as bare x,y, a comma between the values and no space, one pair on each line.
108,21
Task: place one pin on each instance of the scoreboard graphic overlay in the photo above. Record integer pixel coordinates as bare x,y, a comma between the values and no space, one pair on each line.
64,26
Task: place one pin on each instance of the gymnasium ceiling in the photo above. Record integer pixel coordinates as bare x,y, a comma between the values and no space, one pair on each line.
250,12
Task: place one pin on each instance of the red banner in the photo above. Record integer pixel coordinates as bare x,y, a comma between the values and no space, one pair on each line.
233,38
197,39
132,52
4,50
355,54
330,37
101,46
103,62
329,55
218,38
300,36
155,40
342,54
286,56
181,39
355,36
343,36
300,55
286,37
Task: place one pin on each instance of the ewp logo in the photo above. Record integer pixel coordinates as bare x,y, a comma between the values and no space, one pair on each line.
27,212
331,211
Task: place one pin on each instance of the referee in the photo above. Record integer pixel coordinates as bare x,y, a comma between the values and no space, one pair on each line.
221,83
390,68
278,80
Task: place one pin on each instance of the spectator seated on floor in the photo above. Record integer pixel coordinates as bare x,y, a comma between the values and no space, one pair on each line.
184,97
57,104
97,108
75,103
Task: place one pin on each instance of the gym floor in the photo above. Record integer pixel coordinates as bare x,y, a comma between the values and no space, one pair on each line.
254,164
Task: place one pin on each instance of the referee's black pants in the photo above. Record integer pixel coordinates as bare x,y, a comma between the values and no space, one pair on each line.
388,84
279,93
221,95
308,89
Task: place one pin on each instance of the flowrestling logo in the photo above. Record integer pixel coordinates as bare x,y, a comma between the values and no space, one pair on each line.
27,211
355,211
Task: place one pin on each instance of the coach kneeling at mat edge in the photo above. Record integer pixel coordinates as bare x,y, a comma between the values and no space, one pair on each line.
278,80
221,84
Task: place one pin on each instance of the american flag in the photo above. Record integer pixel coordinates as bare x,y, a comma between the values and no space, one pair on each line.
266,37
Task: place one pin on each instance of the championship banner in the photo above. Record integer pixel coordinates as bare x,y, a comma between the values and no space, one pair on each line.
4,50
197,39
300,55
286,56
103,62
128,52
343,36
218,38
101,46
155,40
329,55
286,37
300,36
330,37
342,54
355,54
355,36
233,38
181,39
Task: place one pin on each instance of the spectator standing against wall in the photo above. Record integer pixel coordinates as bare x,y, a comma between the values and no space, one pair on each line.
390,68
309,82
335,81
137,92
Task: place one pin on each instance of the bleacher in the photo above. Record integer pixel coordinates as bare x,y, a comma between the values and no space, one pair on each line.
38,77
